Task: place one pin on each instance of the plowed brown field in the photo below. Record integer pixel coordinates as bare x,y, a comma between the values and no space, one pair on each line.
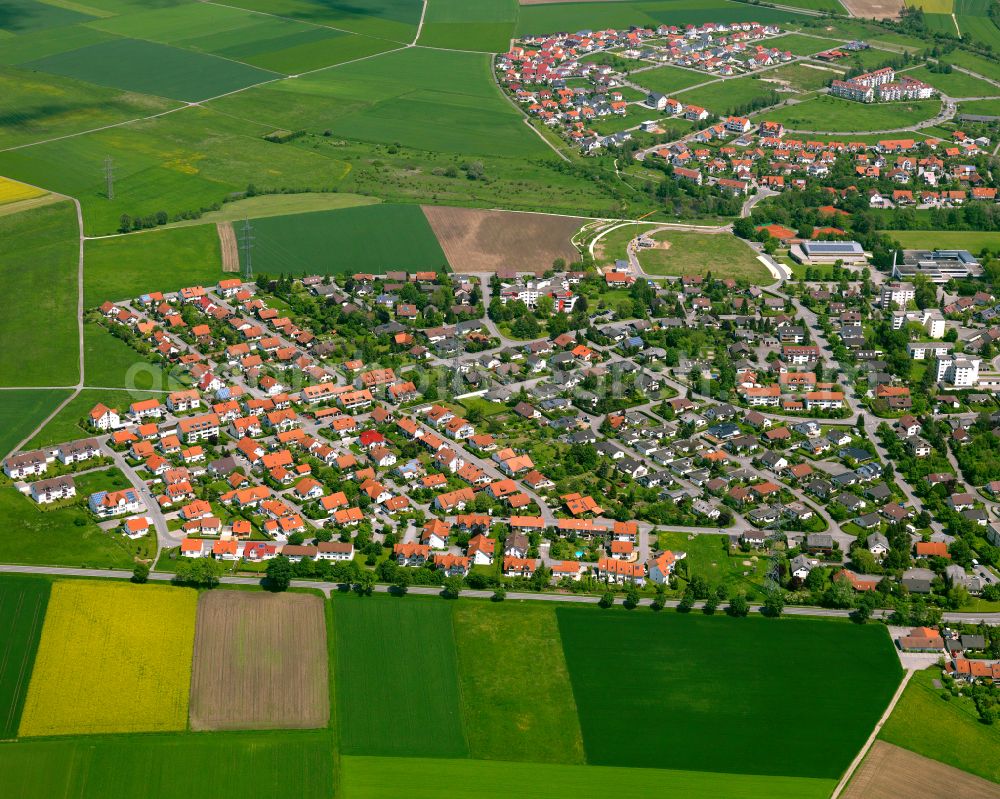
476,240
889,772
260,662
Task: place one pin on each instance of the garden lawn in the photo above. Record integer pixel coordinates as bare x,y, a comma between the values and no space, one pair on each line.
717,678
65,536
708,556
801,77
667,79
972,240
947,731
486,25
21,411
701,253
954,83
39,254
114,657
172,766
729,96
835,115
421,778
124,267
516,695
370,238
22,610
396,677
140,66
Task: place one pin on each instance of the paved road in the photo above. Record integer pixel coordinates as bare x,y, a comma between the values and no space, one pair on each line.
579,599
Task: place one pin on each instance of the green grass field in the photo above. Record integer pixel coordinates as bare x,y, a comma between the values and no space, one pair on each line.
20,16
20,411
111,362
420,778
933,6
370,238
486,25
284,45
974,21
836,115
802,77
279,205
667,79
725,96
427,99
954,84
395,20
699,254
817,5
173,766
798,44
139,66
983,107
652,689
521,707
974,63
63,537
178,163
38,271
22,602
947,731
972,240
551,17
396,678
36,106
124,267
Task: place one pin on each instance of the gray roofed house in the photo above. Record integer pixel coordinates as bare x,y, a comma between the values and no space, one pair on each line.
918,581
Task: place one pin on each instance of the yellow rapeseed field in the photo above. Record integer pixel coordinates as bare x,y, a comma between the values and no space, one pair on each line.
114,657
11,191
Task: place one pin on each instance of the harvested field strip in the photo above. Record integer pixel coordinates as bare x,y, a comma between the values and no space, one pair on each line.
230,249
397,679
240,765
422,778
113,658
507,716
889,772
485,241
22,611
260,662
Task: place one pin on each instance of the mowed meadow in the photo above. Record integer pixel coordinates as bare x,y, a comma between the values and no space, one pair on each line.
498,699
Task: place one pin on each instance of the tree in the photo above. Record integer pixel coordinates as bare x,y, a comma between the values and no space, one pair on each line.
452,587
201,572
402,582
632,597
279,574
500,593
364,582
607,599
660,600
710,605
774,603
686,603
140,573
738,605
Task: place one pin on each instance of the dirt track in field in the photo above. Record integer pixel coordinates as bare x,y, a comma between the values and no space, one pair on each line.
880,9
476,240
260,662
889,772
229,247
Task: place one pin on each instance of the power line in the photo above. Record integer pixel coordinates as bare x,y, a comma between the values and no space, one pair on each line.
109,176
246,244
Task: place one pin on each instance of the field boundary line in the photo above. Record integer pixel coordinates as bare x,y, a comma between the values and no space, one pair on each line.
871,738
420,25
292,19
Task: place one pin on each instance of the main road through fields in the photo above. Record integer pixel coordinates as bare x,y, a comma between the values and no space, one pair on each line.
583,599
